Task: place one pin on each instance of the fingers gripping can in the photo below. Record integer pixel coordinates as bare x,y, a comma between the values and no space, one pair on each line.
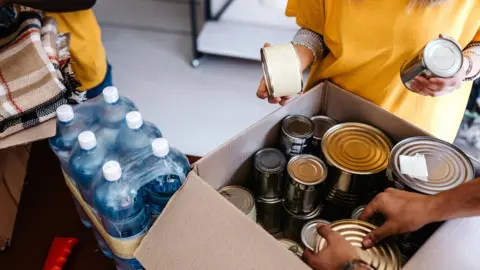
441,57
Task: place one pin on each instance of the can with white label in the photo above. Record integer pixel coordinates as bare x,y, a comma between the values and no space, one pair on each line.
441,57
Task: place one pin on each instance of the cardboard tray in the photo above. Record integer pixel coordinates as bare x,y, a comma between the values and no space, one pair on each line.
199,229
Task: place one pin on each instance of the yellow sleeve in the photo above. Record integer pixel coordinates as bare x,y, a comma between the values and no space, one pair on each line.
310,14
476,38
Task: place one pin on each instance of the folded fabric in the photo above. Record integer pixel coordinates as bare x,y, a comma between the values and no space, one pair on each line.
32,84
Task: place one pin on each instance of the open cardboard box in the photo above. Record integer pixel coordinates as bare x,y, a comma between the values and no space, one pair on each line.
199,229
14,154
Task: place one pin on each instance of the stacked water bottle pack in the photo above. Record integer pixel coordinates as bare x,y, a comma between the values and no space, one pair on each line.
120,170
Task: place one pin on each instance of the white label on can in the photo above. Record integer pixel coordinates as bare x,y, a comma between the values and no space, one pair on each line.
414,166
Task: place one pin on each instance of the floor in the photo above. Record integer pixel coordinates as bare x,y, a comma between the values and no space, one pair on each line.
148,43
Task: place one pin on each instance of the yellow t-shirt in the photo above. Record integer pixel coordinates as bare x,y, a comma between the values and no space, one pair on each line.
369,40
88,54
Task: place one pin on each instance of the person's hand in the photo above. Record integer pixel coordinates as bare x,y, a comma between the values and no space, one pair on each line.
337,252
263,94
436,86
403,211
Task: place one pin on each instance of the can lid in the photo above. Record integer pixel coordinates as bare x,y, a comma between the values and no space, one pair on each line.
356,148
383,256
307,169
238,196
443,57
308,216
309,233
447,165
298,126
292,246
269,160
358,212
322,123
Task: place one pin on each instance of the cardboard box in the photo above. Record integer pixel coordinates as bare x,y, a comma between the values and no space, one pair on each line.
199,229
14,154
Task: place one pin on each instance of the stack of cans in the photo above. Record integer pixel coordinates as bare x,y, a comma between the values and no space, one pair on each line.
269,181
302,200
358,155
296,135
447,168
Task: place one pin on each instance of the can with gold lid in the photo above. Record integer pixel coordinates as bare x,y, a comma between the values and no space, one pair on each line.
296,134
293,246
322,123
447,166
359,155
293,223
306,174
383,256
241,198
309,232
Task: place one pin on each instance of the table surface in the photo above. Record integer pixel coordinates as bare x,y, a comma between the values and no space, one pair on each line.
47,211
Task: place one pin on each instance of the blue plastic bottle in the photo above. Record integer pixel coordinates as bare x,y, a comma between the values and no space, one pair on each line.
121,208
110,116
136,134
170,168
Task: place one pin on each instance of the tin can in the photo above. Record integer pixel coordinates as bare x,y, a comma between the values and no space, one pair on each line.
383,256
376,219
359,156
321,123
241,198
306,173
448,167
293,223
294,247
297,132
441,57
282,70
309,233
269,213
269,173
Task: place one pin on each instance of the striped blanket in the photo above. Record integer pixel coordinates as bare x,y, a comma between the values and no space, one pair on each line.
35,73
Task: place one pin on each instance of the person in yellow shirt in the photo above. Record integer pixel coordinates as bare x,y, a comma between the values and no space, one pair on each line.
361,45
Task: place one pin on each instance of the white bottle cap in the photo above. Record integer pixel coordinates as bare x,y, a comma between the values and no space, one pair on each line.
87,140
134,120
160,147
65,113
110,94
112,170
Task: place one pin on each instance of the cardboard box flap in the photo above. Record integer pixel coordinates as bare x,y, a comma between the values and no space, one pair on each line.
455,245
231,162
199,229
42,131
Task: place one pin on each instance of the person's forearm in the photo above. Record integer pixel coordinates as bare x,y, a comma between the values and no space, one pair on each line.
462,201
56,5
472,64
310,47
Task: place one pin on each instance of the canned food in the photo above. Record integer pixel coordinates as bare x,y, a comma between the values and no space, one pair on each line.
309,232
384,255
359,155
241,198
306,173
322,123
293,223
441,57
270,214
282,70
376,219
269,173
297,132
292,246
448,167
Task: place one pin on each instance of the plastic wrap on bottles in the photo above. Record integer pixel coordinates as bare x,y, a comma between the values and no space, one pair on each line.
135,134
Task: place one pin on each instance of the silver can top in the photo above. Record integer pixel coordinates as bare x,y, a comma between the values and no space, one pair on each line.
447,165
307,170
309,233
298,126
443,57
240,197
322,123
269,160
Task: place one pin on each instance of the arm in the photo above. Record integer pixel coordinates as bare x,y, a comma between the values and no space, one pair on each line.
54,5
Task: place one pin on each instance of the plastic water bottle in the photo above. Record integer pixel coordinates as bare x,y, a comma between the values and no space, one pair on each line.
121,208
136,134
110,116
170,168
